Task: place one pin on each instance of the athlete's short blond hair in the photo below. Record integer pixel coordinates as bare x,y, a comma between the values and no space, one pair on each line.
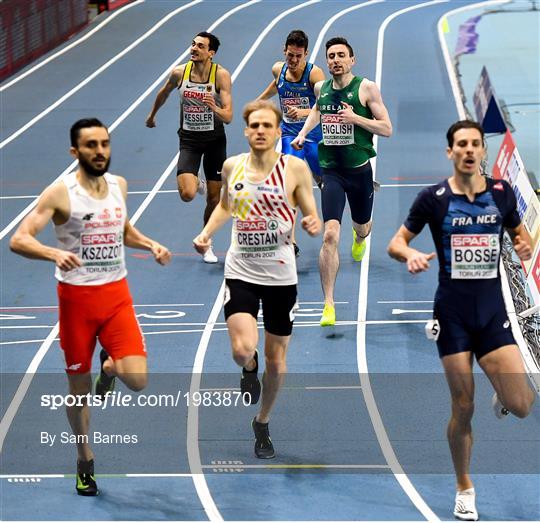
257,105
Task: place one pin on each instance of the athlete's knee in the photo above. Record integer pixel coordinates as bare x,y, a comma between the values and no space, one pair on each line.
462,409
186,195
520,406
331,237
242,351
80,384
135,381
275,365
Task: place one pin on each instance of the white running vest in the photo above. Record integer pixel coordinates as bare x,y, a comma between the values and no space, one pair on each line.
95,233
261,250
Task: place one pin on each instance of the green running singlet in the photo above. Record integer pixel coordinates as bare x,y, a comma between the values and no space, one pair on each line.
344,145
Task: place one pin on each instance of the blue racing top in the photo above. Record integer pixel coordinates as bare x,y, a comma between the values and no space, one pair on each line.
296,94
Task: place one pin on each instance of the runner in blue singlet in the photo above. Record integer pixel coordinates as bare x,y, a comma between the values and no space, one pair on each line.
293,82
467,215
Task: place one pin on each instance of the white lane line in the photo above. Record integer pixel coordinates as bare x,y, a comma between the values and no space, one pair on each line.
17,399
363,370
22,389
194,457
224,329
410,311
70,46
330,21
406,301
96,73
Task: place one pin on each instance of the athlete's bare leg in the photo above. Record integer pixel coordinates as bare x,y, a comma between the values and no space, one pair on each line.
242,328
275,357
131,370
458,370
212,197
329,259
79,416
506,372
187,183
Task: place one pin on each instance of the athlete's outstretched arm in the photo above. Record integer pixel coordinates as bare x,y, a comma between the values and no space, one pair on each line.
303,196
311,122
220,215
24,240
399,249
163,94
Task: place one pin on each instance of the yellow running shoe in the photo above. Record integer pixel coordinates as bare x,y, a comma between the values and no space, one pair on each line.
358,249
328,318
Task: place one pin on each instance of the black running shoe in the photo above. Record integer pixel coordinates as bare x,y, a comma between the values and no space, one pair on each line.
263,444
103,383
86,483
296,250
249,383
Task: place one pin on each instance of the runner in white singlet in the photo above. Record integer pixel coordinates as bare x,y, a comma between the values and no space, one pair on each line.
261,191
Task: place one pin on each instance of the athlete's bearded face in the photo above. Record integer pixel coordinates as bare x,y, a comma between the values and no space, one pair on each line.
467,151
295,57
339,60
93,150
200,49
262,130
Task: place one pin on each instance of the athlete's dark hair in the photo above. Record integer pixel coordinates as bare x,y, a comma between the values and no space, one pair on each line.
337,40
297,38
257,105
213,41
84,123
463,124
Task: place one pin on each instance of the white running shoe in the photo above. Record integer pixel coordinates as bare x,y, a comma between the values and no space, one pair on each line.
201,188
465,507
209,256
498,408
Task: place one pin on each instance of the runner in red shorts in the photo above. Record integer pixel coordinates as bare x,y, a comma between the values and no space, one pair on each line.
88,210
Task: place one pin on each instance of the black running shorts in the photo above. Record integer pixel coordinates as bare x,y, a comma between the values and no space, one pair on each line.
471,322
277,304
356,185
213,153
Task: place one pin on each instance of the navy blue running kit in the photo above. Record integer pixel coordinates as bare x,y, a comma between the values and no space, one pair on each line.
469,303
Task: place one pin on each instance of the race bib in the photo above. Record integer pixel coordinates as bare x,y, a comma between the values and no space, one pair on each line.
257,238
335,132
474,256
197,118
301,102
101,253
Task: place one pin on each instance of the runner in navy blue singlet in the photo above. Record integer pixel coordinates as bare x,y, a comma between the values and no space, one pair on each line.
467,215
